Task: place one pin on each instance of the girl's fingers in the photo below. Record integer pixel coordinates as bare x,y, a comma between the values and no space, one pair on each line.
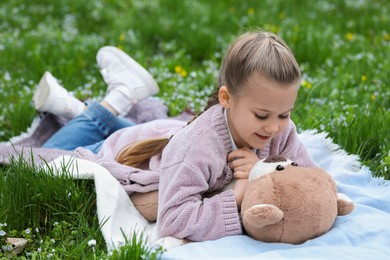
239,153
241,162
237,163
241,174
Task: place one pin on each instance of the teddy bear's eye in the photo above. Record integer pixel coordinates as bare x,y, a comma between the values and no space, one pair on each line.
279,168
294,164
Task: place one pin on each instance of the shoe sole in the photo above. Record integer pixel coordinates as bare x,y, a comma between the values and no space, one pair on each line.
42,92
134,66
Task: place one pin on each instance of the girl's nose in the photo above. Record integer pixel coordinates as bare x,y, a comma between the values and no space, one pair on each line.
271,128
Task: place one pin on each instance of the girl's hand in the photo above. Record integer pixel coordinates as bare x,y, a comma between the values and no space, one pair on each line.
239,190
242,161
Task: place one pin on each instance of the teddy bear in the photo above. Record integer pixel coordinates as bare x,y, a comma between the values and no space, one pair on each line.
288,203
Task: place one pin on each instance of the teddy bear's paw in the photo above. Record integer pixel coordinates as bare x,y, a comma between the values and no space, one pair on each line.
344,204
262,215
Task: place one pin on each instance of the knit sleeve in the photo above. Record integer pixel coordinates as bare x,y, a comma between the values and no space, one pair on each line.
132,179
183,213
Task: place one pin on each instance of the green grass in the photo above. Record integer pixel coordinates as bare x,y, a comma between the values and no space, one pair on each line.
342,47
57,215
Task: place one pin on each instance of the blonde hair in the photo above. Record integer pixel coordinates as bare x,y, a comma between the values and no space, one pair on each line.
253,52
138,153
258,52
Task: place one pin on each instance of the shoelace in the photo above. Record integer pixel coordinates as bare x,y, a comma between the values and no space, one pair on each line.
109,72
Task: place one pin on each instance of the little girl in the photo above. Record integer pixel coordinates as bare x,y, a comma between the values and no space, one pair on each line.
250,119
246,119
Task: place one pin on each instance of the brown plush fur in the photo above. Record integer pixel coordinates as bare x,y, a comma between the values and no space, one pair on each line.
300,204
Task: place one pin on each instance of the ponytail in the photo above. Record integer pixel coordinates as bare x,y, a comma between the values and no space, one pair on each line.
137,154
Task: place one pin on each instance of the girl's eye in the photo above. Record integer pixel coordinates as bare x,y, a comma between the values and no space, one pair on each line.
261,117
284,116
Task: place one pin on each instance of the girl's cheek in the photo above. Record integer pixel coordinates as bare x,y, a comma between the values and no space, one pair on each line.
283,126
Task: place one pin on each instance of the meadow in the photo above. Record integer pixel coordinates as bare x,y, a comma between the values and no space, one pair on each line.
342,46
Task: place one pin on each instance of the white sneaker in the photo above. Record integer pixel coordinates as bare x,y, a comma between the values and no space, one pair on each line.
51,97
128,82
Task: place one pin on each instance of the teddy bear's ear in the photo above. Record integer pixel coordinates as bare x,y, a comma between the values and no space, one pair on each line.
262,215
344,204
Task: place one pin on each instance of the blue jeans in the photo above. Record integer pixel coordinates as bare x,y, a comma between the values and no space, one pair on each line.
88,130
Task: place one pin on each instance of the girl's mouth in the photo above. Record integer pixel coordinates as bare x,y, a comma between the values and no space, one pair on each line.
262,137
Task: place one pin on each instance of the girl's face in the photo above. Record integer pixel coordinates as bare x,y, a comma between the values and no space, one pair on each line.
259,112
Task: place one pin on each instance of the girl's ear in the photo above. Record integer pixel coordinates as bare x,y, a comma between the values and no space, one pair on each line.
224,97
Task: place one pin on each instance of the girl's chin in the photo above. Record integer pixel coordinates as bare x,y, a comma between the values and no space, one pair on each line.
256,143
258,147
260,144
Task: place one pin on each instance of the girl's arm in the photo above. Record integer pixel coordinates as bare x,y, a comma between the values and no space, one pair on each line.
132,179
184,213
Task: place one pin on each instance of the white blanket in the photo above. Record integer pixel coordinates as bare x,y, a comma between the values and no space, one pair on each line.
363,234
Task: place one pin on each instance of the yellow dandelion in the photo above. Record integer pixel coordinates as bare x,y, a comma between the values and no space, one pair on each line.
273,28
178,69
386,37
282,15
373,97
122,37
184,73
349,36
306,84
82,63
251,11
364,78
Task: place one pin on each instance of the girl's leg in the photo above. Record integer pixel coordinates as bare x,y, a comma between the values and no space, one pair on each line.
127,82
93,126
95,148
53,98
